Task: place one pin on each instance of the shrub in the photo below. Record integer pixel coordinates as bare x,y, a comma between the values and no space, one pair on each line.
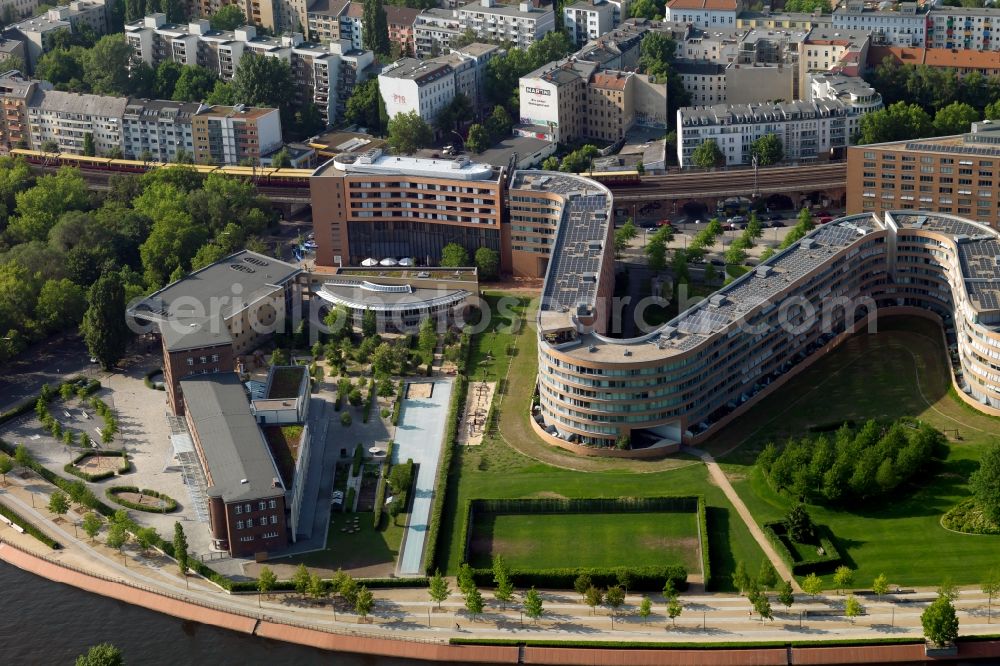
345,419
359,456
70,468
384,413
776,532
169,503
379,502
444,466
28,528
368,402
398,404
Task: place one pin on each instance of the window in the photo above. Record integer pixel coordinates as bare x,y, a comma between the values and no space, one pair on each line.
247,508
273,504
239,524
239,509
190,361
249,523
262,505
274,519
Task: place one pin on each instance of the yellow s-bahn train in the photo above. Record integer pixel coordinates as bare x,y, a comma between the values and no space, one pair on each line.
266,176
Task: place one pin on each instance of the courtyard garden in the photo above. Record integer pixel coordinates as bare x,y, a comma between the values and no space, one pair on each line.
899,373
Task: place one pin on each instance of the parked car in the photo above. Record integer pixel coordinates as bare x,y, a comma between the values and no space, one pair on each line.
737,219
735,226
772,217
823,219
776,223
664,223
715,261
647,224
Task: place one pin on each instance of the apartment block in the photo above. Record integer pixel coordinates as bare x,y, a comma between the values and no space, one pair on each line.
829,49
718,45
963,28
951,174
425,87
158,130
904,26
401,21
16,93
704,13
234,134
587,20
469,63
434,30
67,118
323,20
378,205
819,128
324,75
572,99
521,25
783,20
38,32
704,82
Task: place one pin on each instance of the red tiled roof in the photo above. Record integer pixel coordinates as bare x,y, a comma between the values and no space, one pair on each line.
956,58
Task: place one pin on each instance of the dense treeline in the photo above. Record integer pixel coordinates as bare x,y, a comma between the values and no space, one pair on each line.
853,465
57,239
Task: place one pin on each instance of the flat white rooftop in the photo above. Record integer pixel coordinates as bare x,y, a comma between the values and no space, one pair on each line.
374,161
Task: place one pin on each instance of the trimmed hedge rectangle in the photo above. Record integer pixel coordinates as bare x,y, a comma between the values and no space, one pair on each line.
775,531
644,578
444,469
651,578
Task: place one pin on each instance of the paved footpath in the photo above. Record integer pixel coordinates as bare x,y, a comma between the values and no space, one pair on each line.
408,614
723,482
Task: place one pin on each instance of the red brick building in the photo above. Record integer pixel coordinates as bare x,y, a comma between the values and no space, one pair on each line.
246,495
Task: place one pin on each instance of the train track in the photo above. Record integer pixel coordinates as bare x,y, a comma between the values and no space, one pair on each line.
770,180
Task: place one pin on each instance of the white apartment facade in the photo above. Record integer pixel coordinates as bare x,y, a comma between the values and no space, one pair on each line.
522,25
434,30
809,130
157,129
67,118
704,13
904,27
422,86
38,31
587,20
704,82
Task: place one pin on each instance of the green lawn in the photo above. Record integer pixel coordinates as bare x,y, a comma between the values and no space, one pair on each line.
495,469
549,541
876,377
489,348
368,549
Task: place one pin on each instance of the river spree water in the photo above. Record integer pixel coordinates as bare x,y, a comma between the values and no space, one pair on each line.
48,623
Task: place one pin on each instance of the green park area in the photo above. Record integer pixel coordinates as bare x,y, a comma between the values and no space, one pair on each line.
899,372
551,541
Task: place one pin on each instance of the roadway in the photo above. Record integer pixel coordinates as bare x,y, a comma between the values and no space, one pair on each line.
716,184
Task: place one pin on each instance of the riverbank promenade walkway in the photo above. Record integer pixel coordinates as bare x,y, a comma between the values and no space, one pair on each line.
405,623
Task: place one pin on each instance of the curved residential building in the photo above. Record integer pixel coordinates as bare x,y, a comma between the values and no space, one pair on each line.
683,381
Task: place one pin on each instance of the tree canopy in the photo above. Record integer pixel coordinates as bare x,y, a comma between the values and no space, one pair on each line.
852,466
985,484
768,150
228,17
708,155
408,132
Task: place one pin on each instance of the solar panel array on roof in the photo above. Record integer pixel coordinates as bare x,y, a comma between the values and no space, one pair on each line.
575,256
963,149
